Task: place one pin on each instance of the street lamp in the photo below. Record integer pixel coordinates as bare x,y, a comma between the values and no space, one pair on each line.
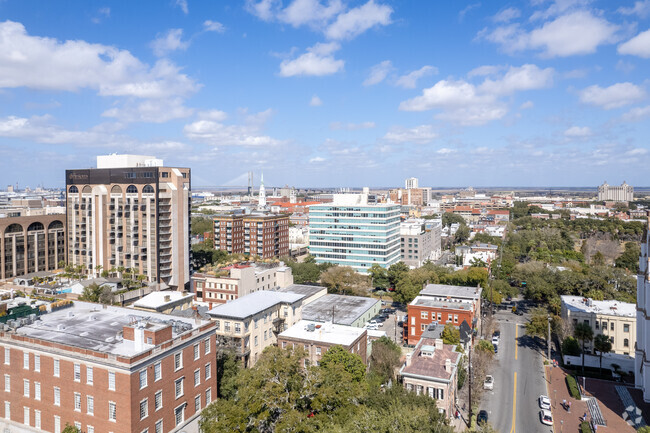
548,341
555,398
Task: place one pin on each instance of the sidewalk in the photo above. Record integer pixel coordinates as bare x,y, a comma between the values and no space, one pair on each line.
563,421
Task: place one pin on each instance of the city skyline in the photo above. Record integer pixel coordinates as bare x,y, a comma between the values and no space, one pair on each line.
330,93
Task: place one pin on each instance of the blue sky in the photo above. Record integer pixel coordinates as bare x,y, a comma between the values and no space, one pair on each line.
330,93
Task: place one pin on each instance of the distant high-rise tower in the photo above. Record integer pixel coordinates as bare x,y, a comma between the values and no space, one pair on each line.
411,182
262,199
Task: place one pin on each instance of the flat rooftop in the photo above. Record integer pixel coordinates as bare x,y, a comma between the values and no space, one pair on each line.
89,326
612,308
445,291
344,309
302,289
159,299
252,304
328,333
424,301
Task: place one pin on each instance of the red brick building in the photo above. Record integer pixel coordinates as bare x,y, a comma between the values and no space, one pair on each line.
253,234
106,370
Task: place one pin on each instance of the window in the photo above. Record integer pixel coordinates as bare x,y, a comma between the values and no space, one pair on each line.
178,361
412,330
206,346
455,318
626,342
57,368
197,377
611,326
37,363
26,415
318,351
131,189
424,315
237,328
77,373
197,352
157,371
226,326
143,379
423,327
179,387
37,391
284,344
597,323
37,419
157,401
111,381
208,371
57,424
7,356
7,410
25,387
89,375
26,361
77,425
208,396
626,327
144,408
90,405
264,335
179,414
7,383
159,424
112,411
90,429
197,403
412,320
57,396
77,402
611,339
256,341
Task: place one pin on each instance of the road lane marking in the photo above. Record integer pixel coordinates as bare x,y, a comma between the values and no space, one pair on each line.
516,342
514,405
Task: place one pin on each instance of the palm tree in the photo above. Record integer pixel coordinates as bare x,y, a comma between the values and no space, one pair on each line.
602,344
98,268
584,333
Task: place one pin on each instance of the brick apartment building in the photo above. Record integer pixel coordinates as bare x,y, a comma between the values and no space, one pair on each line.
106,370
254,234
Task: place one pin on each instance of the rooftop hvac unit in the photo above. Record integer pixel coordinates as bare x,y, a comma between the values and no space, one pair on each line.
311,327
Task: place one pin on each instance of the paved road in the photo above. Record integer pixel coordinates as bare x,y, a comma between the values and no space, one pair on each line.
519,380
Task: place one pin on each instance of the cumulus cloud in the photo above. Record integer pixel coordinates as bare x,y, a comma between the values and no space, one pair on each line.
636,114
168,42
315,101
526,105
152,111
337,126
378,73
506,15
310,12
213,26
468,104
614,96
637,46
316,159
317,61
48,64
422,134
212,130
352,23
264,9
640,8
183,5
578,132
556,38
410,80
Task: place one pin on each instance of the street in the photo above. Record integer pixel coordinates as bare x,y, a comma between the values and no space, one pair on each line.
518,380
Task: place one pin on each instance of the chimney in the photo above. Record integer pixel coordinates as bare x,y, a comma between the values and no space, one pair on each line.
448,365
197,318
408,359
438,344
168,298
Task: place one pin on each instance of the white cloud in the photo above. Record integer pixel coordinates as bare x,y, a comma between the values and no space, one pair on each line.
637,151
316,159
556,38
352,23
315,101
578,132
310,12
318,61
558,7
153,111
214,132
640,8
47,64
614,96
466,9
216,115
337,126
213,26
636,114
40,130
625,67
422,134
637,46
263,9
445,151
170,41
409,81
525,77
104,12
526,105
485,70
378,73
183,5
506,15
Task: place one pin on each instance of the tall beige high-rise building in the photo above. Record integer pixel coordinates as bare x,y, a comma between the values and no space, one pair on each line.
607,192
130,212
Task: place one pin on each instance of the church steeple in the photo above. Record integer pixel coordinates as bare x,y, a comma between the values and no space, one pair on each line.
262,198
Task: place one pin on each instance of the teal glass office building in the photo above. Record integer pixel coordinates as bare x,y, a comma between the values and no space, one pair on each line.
355,235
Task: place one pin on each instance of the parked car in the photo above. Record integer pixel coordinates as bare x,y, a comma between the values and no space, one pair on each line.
482,418
546,417
544,402
495,340
489,382
373,322
372,326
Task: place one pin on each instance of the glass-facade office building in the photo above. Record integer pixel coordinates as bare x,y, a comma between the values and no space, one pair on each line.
355,235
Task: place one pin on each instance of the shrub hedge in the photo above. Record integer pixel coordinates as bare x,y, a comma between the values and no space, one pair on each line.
573,387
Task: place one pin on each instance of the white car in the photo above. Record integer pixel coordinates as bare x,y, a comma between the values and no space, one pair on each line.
544,402
546,417
489,382
495,340
372,326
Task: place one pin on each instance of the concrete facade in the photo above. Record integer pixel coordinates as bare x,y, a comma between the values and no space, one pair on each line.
342,310
419,242
607,192
256,234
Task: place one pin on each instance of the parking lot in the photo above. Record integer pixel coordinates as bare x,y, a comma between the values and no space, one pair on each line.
391,324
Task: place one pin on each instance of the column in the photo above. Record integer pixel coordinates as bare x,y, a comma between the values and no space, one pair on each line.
47,249
26,250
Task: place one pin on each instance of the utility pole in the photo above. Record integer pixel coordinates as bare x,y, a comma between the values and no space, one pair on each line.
470,385
548,340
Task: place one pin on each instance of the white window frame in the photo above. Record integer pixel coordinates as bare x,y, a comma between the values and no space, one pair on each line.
25,415
77,402
37,363
157,371
197,377
158,397
208,370
143,378
77,372
178,360
112,417
144,404
57,396
37,391
7,356
7,383
159,426
90,405
208,396
197,351
180,380
37,419
111,381
57,424
90,429
90,375
26,388
25,360
182,412
197,398
7,410
206,346
56,368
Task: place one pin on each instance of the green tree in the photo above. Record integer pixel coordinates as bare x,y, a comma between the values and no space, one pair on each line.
379,276
602,344
201,225
598,259
70,429
485,346
385,358
449,218
570,347
451,335
396,272
352,363
584,333
462,234
228,367
344,280
630,258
